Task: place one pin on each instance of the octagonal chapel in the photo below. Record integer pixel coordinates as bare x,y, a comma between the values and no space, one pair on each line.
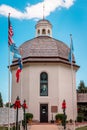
46,77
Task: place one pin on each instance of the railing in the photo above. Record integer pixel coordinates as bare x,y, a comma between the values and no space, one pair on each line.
81,97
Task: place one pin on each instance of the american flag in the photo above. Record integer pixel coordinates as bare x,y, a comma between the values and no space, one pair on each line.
10,32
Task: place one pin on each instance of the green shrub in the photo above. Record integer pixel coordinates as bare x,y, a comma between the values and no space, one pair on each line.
59,117
29,116
79,118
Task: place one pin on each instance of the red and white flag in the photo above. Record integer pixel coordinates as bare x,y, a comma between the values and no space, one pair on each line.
10,32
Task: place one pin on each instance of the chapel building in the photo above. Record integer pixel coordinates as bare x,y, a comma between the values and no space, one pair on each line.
46,77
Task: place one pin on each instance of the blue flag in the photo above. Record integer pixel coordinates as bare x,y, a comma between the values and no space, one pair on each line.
15,51
20,63
16,56
71,51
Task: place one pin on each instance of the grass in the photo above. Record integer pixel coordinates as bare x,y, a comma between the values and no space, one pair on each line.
82,128
6,128
3,128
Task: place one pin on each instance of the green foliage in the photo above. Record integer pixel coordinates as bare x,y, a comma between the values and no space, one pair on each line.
79,118
29,116
82,88
3,128
8,104
11,128
24,123
59,116
82,111
1,101
82,128
82,108
14,127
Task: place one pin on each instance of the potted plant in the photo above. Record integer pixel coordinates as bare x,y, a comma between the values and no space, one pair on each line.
29,117
59,118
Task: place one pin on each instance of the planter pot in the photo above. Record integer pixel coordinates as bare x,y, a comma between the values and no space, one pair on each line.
30,121
58,122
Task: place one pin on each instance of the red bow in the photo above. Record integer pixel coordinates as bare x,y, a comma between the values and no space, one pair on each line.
17,104
25,106
64,105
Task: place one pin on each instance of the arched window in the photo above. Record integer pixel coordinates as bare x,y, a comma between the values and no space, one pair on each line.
43,31
43,84
38,31
48,32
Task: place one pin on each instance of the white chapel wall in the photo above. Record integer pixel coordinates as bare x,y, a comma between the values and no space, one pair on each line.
59,88
67,91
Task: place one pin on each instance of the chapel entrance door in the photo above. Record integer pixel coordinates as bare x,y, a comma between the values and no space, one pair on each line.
43,112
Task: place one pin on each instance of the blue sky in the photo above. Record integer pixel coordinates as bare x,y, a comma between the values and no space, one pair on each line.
66,16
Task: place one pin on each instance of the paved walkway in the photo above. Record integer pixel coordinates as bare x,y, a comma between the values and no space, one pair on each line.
46,126
43,127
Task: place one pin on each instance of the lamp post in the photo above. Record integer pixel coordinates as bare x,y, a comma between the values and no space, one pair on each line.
64,117
16,106
24,109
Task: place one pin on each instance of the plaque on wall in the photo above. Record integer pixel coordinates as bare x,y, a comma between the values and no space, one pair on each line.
54,109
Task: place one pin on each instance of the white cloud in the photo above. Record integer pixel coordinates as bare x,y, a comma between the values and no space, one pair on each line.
35,11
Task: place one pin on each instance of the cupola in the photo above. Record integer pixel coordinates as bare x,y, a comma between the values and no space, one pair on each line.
43,28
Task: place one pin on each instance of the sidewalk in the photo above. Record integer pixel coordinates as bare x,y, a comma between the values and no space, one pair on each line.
43,127
46,126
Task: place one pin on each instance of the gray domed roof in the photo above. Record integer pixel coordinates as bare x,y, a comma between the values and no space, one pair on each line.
45,47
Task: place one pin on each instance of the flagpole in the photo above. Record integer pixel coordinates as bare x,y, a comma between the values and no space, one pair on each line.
8,75
21,92
21,82
72,83
43,10
21,88
21,66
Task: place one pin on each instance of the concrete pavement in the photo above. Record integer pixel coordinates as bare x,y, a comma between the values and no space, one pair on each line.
43,127
55,126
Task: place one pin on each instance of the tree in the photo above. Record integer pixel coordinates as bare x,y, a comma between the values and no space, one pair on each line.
7,104
82,106
1,101
82,88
